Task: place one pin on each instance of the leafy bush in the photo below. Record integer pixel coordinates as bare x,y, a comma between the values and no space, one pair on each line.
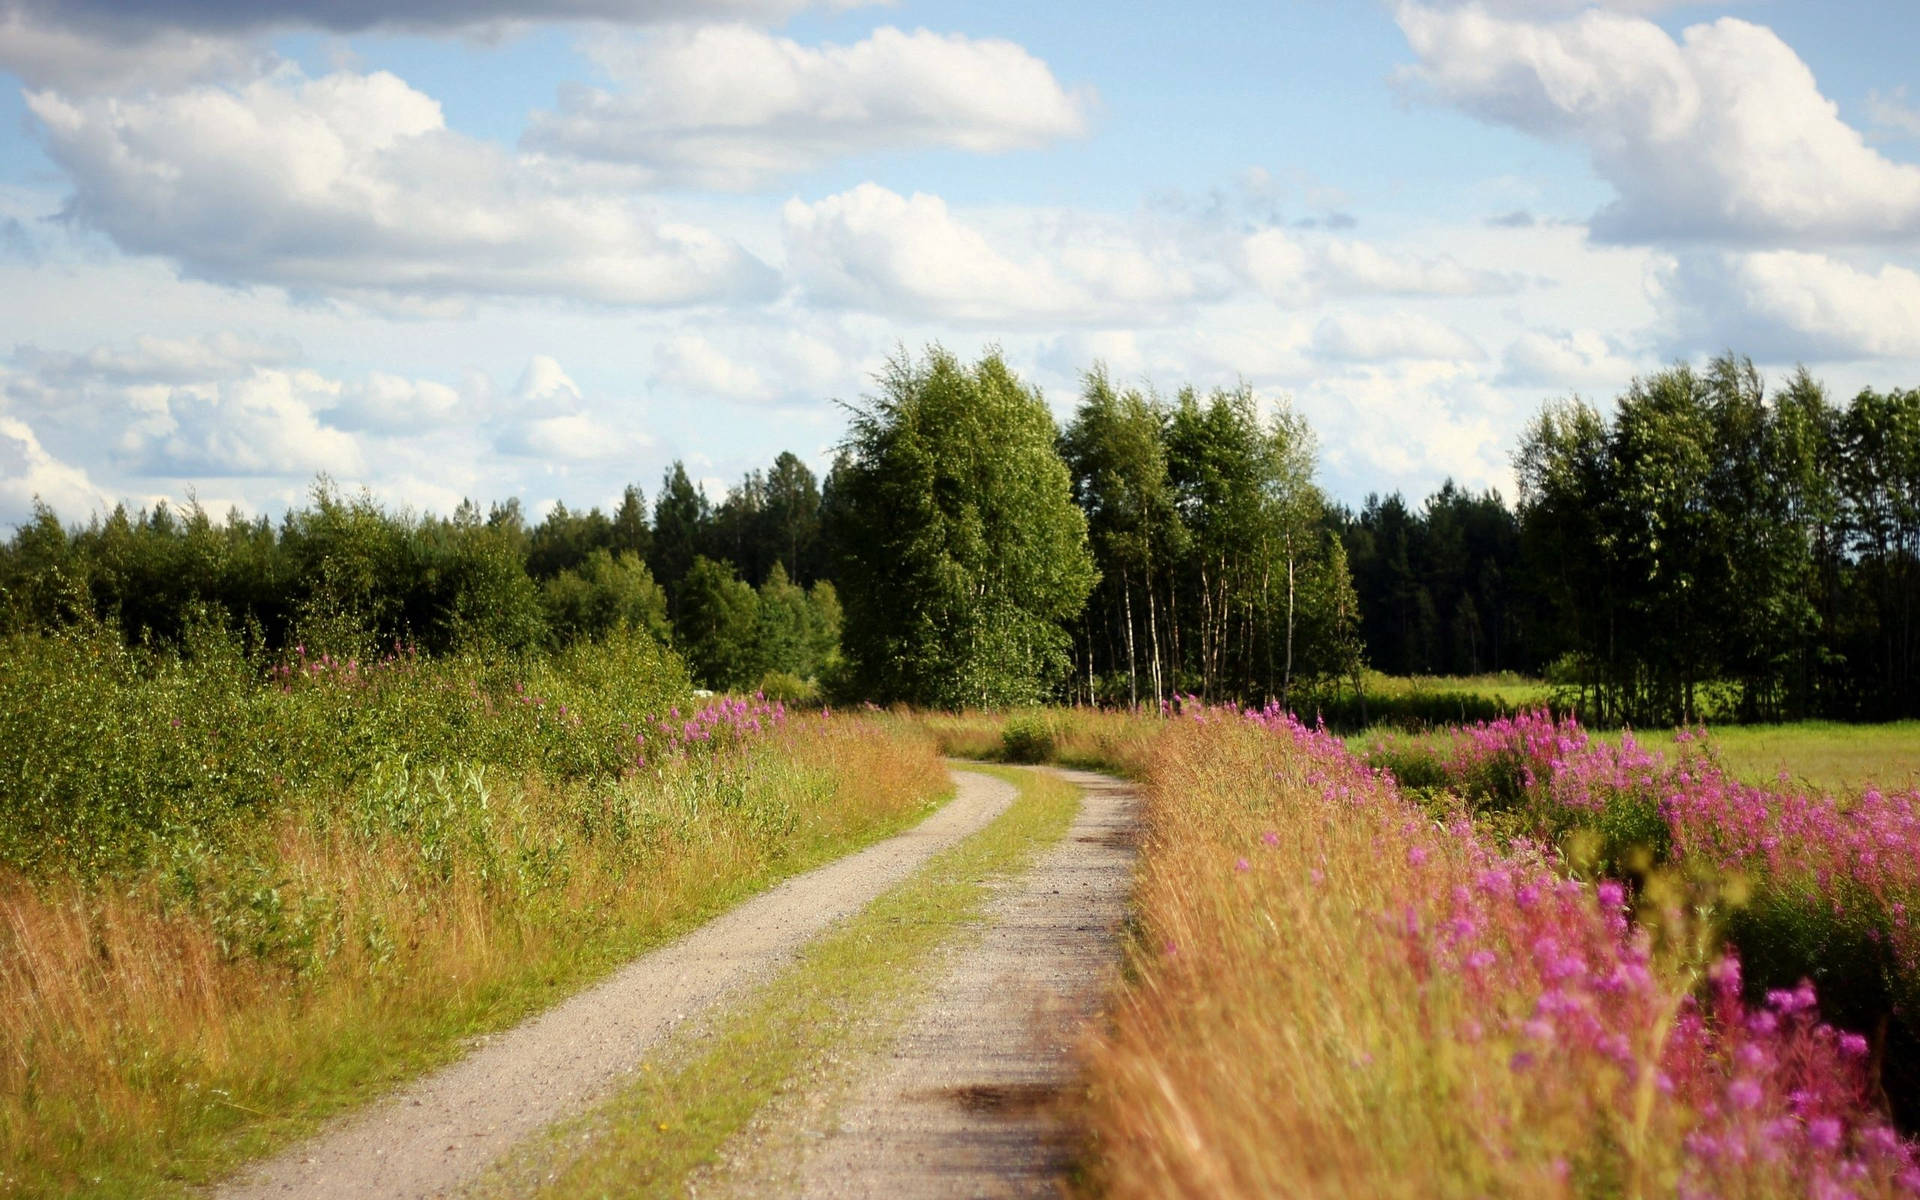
1027,738
111,751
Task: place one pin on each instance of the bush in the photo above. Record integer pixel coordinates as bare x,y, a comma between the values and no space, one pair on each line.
789,689
1027,738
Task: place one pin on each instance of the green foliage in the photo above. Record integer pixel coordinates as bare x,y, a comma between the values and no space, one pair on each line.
1712,538
960,552
603,594
114,751
1027,738
717,625
787,689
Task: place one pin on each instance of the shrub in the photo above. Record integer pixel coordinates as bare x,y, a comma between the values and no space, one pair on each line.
1027,738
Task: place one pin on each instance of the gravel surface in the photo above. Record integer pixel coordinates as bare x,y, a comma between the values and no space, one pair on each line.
444,1129
975,1097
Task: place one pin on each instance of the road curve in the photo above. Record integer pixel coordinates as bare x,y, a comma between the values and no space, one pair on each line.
444,1129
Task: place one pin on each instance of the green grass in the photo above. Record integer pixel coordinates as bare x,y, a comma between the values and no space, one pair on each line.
1508,687
1823,755
1827,756
699,1092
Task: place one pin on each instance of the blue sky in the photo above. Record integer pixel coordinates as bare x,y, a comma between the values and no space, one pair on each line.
467,249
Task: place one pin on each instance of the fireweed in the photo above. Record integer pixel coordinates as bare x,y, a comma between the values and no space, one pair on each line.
1824,884
1337,994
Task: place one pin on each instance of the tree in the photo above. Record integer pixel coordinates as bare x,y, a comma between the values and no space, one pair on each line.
607,593
717,624
959,550
1116,451
680,518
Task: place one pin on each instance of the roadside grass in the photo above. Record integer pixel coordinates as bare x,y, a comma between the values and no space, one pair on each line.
689,1100
160,1028
1091,739
1332,995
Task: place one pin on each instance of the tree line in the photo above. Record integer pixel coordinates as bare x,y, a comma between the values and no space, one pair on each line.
736,586
1706,548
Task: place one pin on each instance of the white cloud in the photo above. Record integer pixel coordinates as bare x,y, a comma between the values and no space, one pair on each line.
1298,271
1892,112
263,424
546,386
1720,135
1359,337
1565,359
1795,304
874,249
689,362
352,184
1446,422
569,438
87,59
549,418
730,106
223,355
783,366
29,473
387,403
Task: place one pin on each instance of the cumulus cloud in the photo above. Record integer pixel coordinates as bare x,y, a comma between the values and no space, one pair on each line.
393,404
1359,337
551,420
1720,135
1293,270
28,473
223,355
266,423
1564,359
84,57
347,16
874,249
1797,304
754,366
731,106
1447,421
352,184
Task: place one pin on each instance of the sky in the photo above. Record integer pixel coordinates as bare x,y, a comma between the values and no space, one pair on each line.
447,249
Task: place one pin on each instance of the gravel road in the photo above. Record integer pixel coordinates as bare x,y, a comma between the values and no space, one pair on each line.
975,1096
442,1130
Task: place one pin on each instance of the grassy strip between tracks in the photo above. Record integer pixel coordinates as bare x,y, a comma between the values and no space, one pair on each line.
700,1091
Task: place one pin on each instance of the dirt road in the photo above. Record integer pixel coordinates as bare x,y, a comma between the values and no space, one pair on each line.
972,1098
444,1129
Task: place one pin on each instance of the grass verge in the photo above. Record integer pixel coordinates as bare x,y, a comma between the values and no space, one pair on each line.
150,1040
692,1098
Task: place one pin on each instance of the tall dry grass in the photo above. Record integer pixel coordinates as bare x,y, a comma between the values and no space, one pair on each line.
1331,995
158,1027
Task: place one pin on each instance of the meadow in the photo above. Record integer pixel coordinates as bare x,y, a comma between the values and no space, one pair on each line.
1508,956
1503,959
238,896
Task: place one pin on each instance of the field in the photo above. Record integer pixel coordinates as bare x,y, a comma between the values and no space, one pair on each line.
1507,957
244,903
1515,973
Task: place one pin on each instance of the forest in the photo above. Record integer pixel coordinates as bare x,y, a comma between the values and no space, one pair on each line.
1705,547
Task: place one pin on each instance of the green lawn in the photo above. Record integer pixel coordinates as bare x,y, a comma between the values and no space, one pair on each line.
1514,690
1821,754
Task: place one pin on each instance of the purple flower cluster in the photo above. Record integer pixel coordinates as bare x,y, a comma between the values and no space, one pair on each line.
1555,980
325,668
722,723
1860,854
